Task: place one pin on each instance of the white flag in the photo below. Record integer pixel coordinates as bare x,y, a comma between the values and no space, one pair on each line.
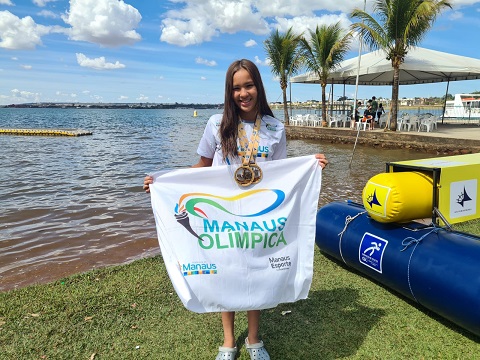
232,248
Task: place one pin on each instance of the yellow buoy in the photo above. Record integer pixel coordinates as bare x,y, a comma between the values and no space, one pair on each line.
398,197
195,113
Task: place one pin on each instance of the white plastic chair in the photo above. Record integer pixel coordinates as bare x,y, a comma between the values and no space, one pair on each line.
361,124
315,120
383,120
344,119
298,119
411,123
367,124
426,124
332,121
402,121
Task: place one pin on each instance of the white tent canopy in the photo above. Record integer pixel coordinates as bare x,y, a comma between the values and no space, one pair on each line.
421,66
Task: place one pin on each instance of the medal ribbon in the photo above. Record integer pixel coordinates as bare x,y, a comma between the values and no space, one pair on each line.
251,151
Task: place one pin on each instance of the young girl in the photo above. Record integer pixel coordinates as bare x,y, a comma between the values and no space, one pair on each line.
245,101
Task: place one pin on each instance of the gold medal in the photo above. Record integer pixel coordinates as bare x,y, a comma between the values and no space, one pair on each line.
244,175
257,173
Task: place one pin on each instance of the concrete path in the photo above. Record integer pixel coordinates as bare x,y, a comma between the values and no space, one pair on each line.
453,131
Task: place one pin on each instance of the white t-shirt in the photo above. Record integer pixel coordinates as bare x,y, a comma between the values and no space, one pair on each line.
272,144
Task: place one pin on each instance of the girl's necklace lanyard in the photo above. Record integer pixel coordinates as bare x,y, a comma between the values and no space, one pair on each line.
249,172
250,147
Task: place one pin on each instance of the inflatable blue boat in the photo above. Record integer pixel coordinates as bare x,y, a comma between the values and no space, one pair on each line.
436,267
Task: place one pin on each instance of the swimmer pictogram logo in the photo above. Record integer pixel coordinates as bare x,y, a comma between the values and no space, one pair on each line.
371,251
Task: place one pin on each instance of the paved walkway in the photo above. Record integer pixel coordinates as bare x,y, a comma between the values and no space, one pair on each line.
448,130
453,131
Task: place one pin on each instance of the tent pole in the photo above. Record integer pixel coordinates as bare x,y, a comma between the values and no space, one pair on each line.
356,92
445,100
290,105
331,99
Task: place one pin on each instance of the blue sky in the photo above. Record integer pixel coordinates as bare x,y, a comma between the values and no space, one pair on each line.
163,51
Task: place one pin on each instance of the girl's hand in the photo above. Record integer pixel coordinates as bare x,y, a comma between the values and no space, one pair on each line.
146,183
322,160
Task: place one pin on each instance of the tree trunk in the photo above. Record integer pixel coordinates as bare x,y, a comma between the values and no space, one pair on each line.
286,118
324,103
394,104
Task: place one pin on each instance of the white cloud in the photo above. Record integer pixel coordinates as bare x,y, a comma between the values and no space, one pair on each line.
259,61
291,8
455,15
203,78
24,96
42,3
122,97
184,33
200,21
20,34
250,43
59,93
97,63
6,2
199,60
142,98
26,67
48,14
108,23
302,24
460,3
14,58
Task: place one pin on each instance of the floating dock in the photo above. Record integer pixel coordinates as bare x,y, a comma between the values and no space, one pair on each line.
45,132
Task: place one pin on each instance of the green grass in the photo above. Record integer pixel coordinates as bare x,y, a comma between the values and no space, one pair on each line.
132,312
471,227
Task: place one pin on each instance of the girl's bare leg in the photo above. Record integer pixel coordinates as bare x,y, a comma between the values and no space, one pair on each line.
228,322
253,317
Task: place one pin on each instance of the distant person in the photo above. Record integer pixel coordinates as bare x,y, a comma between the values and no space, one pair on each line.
380,111
369,115
246,106
368,118
374,108
356,118
368,108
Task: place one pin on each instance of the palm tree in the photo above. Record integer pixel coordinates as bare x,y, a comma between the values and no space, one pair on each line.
401,25
282,52
322,53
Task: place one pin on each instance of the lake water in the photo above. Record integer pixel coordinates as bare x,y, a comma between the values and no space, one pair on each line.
71,204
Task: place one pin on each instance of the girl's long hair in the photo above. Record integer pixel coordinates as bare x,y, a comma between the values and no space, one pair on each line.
231,117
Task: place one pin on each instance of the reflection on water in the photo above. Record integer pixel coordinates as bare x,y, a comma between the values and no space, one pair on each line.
73,204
